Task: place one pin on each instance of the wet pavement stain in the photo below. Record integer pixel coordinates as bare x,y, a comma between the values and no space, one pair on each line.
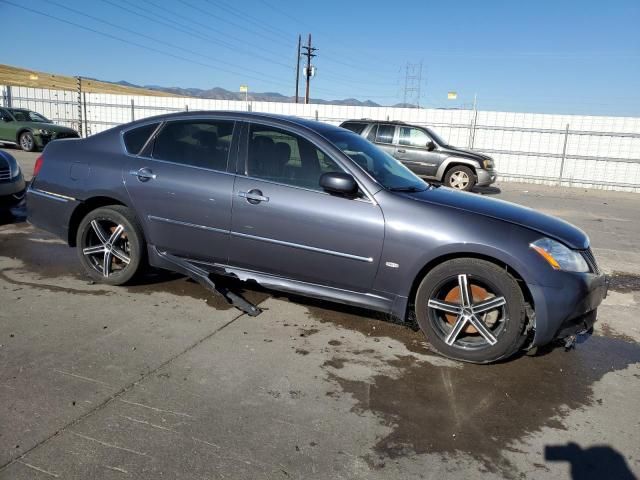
49,258
480,410
624,282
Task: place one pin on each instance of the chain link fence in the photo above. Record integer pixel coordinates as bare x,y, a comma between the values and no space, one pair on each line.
569,150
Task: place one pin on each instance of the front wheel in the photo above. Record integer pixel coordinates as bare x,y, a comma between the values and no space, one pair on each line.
27,142
460,178
471,310
111,245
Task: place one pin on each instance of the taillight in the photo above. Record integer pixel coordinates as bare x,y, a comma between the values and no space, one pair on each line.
38,165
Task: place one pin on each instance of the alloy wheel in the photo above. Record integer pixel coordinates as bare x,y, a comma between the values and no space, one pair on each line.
459,180
107,247
467,313
26,142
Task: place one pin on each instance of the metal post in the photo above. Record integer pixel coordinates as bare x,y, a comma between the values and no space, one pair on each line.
564,154
133,111
474,119
316,115
298,68
186,108
79,88
84,111
7,96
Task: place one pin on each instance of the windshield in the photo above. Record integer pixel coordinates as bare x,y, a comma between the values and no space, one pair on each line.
388,171
437,138
28,116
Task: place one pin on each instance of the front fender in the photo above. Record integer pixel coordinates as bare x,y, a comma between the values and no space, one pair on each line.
453,159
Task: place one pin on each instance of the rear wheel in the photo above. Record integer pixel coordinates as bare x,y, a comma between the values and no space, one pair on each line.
460,178
27,143
111,245
471,310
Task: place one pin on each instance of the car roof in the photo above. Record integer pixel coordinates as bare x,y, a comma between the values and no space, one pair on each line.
314,125
370,121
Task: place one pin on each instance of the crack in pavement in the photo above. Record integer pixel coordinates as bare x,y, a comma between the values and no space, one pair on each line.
119,393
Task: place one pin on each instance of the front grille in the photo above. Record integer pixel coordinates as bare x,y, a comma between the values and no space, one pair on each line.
66,135
591,261
5,173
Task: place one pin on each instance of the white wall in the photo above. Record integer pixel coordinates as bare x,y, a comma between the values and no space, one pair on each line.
600,152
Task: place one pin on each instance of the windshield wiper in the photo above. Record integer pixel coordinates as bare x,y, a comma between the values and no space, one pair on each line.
407,189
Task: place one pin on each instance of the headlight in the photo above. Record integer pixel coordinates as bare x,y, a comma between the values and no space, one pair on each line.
15,171
487,164
42,131
559,256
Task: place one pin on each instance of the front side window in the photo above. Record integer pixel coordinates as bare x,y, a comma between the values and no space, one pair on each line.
385,169
283,157
413,137
29,116
385,133
198,143
135,138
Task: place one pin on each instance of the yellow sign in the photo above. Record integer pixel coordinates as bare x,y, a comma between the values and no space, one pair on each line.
33,76
452,95
244,88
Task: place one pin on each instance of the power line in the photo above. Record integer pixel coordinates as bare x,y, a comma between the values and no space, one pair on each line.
139,45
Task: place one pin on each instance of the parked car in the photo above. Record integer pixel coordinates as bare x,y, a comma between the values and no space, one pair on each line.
30,130
310,208
426,154
12,185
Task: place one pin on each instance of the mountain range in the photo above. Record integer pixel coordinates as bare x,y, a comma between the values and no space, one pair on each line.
223,94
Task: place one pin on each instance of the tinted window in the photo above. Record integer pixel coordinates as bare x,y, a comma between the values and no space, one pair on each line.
385,133
413,137
371,136
355,127
29,116
282,157
135,139
200,143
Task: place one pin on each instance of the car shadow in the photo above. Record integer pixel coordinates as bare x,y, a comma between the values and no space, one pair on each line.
595,462
11,215
490,190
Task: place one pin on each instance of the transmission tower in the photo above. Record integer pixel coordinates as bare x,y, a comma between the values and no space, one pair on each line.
412,83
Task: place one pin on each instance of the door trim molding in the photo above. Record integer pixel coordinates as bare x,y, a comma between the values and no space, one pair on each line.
303,247
186,224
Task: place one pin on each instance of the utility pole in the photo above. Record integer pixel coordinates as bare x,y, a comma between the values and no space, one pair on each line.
79,92
298,67
308,71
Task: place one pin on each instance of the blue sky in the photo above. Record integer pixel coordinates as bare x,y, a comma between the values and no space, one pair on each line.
539,56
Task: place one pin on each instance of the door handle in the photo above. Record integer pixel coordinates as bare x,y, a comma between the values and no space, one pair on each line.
144,174
253,196
402,150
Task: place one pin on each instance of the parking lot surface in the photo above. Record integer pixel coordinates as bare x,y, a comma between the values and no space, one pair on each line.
163,379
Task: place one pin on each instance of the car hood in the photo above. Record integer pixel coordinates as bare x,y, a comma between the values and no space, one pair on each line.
509,212
461,152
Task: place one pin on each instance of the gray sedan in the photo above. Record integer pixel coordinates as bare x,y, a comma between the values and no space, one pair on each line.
317,210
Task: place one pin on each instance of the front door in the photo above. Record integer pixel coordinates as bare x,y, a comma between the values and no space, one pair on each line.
181,189
7,129
284,223
413,149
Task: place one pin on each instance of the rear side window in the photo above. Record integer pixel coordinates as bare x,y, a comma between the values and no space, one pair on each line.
198,143
385,133
135,139
355,127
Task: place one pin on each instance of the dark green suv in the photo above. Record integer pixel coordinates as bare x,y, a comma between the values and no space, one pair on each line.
30,130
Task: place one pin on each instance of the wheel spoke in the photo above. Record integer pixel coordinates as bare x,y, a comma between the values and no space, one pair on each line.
116,234
490,304
461,322
465,297
93,250
106,263
120,255
483,330
102,236
444,306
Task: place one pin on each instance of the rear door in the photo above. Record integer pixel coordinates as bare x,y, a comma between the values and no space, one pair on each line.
383,136
413,150
181,188
7,128
285,224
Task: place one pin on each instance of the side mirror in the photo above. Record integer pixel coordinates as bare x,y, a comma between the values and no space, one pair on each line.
431,146
339,182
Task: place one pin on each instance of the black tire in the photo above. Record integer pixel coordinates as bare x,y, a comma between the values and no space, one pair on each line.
129,244
27,142
506,324
460,177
